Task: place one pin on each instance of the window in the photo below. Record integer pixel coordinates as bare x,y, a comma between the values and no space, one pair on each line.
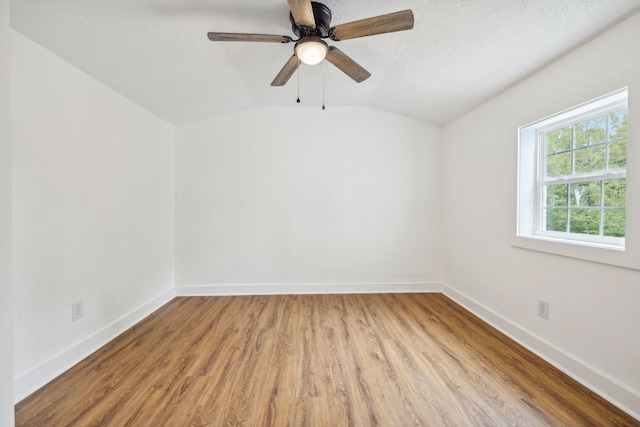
572,175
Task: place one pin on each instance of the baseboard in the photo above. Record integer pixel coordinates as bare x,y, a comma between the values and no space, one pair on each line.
37,377
621,396
307,288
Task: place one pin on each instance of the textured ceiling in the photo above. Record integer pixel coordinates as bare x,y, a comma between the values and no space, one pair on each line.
459,54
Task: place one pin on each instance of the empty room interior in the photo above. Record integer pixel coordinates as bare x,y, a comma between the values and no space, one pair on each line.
430,225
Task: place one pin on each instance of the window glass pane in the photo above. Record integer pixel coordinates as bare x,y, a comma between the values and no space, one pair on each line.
591,159
591,132
584,221
559,164
557,195
618,125
585,194
556,220
618,155
559,140
614,223
615,192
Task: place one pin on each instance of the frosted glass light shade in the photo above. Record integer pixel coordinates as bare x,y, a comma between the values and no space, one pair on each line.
312,52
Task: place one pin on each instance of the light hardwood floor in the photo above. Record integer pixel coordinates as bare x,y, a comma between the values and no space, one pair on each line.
315,360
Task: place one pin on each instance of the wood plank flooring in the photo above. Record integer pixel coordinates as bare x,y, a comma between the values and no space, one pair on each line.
315,360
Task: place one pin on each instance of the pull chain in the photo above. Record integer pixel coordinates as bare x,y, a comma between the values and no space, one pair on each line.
323,84
298,72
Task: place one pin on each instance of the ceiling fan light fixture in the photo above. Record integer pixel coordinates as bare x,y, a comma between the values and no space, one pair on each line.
312,50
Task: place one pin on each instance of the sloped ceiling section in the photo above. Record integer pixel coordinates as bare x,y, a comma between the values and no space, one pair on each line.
459,54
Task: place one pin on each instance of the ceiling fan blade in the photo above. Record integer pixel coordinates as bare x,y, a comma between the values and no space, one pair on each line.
392,22
347,65
287,71
242,37
302,13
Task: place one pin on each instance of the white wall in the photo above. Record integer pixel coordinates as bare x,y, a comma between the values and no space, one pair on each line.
6,320
93,187
593,329
345,199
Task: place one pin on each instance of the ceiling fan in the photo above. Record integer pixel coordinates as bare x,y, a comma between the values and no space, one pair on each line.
310,22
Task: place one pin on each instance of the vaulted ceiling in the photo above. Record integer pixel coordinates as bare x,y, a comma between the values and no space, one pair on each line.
459,54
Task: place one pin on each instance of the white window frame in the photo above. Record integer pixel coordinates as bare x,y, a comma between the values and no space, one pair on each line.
531,168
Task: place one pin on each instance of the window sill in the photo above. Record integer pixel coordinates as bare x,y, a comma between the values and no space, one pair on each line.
594,252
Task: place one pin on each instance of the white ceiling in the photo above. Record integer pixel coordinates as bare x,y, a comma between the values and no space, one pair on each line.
459,54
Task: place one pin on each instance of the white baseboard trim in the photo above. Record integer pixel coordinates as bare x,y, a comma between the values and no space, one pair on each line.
306,288
40,375
600,383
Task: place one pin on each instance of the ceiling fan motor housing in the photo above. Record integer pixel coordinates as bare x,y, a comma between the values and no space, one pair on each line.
322,16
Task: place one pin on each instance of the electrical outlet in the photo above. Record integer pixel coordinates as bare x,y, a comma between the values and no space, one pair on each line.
77,310
543,308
